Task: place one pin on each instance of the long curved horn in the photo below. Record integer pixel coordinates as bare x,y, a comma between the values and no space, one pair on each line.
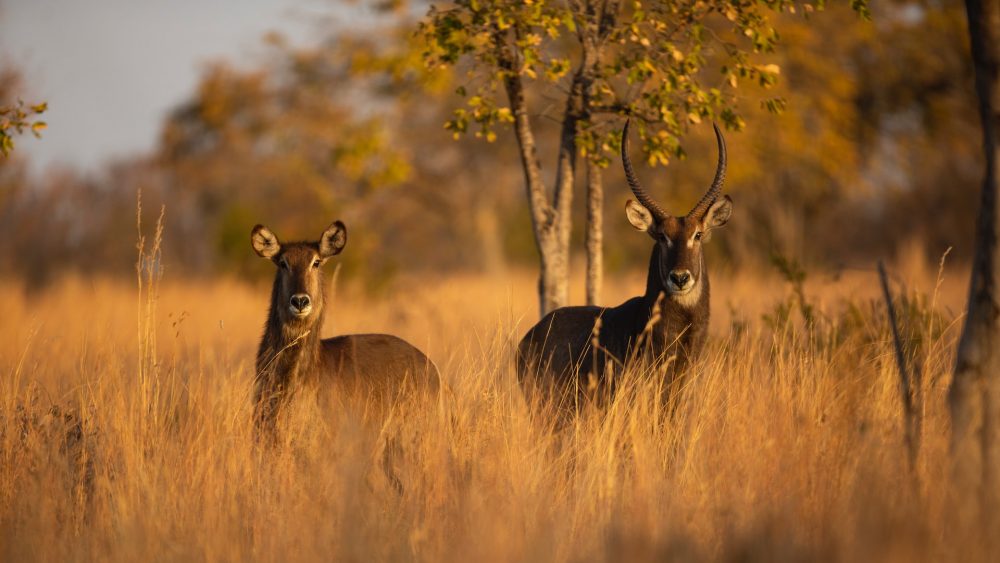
633,182
720,175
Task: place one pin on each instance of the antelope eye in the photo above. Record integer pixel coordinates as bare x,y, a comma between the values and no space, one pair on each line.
697,236
283,264
317,263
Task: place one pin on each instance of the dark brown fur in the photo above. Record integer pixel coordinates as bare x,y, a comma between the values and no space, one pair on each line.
375,368
665,327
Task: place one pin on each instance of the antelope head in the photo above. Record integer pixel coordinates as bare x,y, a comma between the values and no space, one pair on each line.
679,240
297,296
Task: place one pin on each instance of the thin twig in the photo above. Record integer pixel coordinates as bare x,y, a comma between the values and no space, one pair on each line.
904,379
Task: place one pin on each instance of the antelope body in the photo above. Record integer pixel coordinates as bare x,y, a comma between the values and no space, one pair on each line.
665,326
377,368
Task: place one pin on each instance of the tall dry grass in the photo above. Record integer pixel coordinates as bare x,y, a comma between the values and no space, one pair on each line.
126,432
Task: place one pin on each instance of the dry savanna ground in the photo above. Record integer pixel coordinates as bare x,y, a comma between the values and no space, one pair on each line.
126,432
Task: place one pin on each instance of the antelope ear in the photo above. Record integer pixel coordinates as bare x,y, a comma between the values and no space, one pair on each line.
264,243
639,216
333,239
718,214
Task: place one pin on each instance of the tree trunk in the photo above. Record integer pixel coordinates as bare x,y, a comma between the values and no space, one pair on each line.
593,31
974,390
563,197
551,225
595,232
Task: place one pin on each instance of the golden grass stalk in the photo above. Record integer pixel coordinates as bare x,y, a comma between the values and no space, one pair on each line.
786,442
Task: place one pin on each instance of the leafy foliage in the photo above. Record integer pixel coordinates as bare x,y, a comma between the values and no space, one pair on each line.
669,64
17,118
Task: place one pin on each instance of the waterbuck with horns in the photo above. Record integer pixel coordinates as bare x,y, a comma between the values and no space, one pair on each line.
666,326
377,368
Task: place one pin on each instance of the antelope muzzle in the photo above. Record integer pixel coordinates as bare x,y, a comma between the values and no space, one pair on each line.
680,281
300,305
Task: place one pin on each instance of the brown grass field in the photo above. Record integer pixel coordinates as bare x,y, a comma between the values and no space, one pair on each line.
126,432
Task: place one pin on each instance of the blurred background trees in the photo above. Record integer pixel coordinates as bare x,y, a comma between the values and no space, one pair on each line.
876,150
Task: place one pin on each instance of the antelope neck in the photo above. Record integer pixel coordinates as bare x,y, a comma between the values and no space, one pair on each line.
292,348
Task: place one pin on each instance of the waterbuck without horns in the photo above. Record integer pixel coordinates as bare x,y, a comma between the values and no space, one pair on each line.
377,368
666,326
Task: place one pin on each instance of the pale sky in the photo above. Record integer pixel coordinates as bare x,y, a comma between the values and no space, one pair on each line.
111,69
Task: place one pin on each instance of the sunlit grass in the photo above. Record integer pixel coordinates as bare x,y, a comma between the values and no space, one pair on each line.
787,444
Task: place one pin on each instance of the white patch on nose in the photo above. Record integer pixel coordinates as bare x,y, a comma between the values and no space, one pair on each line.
300,313
689,298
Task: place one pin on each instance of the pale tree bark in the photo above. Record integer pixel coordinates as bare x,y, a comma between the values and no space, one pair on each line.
550,223
598,19
565,181
975,389
595,233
